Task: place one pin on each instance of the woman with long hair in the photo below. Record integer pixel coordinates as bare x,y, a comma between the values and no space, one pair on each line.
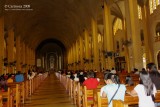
154,74
145,90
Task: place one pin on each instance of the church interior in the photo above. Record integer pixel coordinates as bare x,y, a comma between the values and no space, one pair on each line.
53,37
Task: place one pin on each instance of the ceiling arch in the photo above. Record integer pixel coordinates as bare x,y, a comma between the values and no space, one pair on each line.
50,45
63,20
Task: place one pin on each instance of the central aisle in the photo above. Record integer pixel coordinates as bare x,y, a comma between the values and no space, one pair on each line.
50,94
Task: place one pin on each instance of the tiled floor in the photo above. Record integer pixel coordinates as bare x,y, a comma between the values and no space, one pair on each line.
50,94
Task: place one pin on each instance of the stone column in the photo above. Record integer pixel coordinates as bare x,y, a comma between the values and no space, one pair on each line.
127,59
86,35
23,56
108,35
72,58
133,33
68,58
81,54
10,44
18,56
76,54
146,36
34,57
95,45
73,53
26,58
31,58
1,44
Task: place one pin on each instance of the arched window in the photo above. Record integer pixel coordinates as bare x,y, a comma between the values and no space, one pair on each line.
153,5
139,12
117,25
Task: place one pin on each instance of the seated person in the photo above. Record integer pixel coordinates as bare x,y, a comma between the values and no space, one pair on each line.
129,81
81,77
75,77
136,71
113,90
146,91
154,74
113,71
10,79
91,82
19,77
3,83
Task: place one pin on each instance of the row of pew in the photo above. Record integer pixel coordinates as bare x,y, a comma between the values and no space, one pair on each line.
91,98
19,92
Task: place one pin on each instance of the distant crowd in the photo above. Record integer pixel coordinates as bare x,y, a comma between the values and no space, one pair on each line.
149,83
5,79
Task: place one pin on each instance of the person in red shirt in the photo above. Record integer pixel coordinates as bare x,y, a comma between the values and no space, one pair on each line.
91,82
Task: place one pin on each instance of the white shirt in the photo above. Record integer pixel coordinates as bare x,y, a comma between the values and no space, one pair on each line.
144,100
110,90
113,71
101,91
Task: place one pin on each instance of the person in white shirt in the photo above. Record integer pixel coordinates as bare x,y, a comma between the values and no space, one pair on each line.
113,71
146,91
113,90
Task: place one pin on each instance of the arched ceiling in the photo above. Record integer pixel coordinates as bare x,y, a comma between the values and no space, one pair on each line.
62,20
50,45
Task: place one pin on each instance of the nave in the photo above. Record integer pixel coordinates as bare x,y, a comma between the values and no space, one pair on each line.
51,93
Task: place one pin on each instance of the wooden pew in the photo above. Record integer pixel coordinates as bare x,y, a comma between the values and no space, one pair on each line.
157,96
1,103
27,89
18,90
79,95
95,99
71,88
119,103
122,78
130,100
67,84
129,88
9,96
87,97
75,91
101,102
